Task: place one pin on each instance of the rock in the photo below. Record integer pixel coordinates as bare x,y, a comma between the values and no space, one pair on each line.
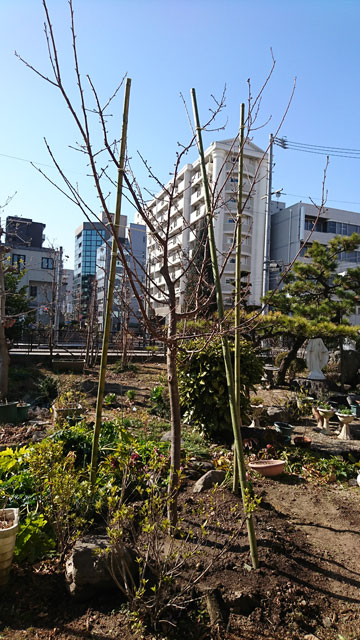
310,636
353,482
242,603
38,436
166,437
204,465
208,480
87,572
327,622
277,414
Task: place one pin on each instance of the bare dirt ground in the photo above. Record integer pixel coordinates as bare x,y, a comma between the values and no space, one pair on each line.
307,585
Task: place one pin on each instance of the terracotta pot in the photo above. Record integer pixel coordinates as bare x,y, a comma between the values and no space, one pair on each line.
302,441
268,468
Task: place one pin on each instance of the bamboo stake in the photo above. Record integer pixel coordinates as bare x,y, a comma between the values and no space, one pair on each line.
237,364
234,409
110,293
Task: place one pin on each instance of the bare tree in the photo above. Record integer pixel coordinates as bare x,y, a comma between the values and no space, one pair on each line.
105,169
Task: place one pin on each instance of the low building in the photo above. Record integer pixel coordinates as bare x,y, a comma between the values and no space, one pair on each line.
42,267
293,232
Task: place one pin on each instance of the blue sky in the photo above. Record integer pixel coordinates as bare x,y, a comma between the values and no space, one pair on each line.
167,47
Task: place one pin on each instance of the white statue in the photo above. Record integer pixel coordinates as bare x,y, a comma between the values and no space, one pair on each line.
317,357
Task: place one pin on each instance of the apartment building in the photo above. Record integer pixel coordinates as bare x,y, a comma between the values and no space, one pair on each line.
291,235
187,218
41,266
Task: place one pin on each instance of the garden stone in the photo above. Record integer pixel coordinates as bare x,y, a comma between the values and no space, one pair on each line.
87,572
166,437
38,436
204,465
277,414
208,480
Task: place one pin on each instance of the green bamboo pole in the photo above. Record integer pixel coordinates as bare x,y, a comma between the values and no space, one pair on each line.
110,292
237,364
234,409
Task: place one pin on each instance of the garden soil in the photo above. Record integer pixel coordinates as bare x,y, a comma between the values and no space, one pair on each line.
307,585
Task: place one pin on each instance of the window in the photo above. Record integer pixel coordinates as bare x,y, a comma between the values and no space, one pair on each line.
33,291
47,263
18,261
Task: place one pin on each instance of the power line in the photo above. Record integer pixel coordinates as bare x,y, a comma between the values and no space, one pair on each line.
34,162
301,195
340,152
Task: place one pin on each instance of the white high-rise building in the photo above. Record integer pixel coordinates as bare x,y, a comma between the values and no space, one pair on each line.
187,215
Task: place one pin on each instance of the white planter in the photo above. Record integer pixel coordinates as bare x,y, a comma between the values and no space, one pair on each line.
326,414
256,411
61,414
7,543
345,419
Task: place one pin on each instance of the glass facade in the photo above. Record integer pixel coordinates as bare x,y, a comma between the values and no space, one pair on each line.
87,242
332,226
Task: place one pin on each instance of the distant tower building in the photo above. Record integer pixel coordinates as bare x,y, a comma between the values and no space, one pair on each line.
125,305
88,237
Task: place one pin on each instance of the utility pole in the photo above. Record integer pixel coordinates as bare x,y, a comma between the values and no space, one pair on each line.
265,282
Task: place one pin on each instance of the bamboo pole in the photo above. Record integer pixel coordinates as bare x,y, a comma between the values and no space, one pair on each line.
237,364
110,292
234,409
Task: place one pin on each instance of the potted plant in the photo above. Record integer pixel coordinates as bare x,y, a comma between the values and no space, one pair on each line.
9,523
22,411
285,429
345,416
8,412
326,411
67,404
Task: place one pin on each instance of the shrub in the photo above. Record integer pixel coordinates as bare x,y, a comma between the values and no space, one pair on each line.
64,494
203,388
119,367
48,389
110,399
159,401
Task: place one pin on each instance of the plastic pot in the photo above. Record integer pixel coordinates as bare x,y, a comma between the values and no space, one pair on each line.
8,412
7,542
23,412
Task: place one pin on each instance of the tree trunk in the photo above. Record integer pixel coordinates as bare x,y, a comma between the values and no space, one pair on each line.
290,356
173,486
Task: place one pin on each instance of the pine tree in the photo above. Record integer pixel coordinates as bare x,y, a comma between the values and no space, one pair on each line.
317,292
